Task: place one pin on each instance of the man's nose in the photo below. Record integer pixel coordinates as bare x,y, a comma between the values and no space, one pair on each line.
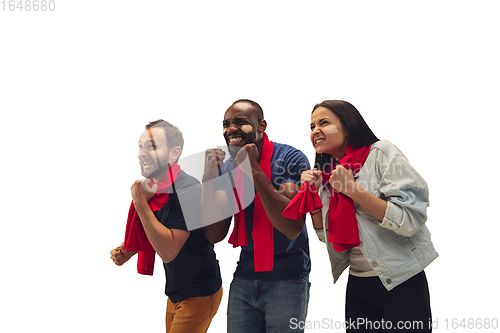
142,152
231,128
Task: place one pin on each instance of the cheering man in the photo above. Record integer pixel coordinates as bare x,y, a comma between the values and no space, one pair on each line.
161,205
270,285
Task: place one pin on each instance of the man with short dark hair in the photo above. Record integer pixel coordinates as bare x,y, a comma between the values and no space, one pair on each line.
270,288
161,206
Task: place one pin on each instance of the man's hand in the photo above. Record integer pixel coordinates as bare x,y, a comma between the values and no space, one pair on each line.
249,150
120,256
141,193
213,162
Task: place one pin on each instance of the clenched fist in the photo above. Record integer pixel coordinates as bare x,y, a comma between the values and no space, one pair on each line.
214,159
342,180
313,177
120,256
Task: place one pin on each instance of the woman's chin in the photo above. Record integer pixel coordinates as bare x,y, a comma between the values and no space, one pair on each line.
319,151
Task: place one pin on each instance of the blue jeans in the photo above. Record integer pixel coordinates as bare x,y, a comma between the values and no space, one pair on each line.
267,307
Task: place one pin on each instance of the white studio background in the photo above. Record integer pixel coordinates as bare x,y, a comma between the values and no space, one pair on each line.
78,84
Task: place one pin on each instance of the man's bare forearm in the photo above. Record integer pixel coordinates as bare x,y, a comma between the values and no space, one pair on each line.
213,204
275,202
163,239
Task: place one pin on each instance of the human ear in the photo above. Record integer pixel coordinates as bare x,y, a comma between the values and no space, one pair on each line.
174,154
262,126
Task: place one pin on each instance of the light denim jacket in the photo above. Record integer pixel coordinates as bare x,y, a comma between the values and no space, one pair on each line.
400,246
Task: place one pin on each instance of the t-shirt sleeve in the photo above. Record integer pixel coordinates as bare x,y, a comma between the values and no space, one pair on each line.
189,202
294,163
184,209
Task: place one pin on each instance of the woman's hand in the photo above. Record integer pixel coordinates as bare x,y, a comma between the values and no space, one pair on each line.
313,177
342,180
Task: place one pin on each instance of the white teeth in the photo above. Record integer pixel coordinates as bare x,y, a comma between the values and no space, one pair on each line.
234,140
319,140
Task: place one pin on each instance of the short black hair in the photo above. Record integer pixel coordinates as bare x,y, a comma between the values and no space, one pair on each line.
360,135
173,134
260,113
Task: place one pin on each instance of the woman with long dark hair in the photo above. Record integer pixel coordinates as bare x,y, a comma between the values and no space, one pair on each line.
372,221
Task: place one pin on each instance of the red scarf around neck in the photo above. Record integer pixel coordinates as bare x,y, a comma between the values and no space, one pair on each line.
343,229
136,239
262,233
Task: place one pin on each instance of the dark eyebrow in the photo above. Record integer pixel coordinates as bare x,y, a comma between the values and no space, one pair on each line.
324,118
321,119
234,119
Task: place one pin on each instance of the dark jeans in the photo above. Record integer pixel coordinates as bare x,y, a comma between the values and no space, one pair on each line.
267,307
371,308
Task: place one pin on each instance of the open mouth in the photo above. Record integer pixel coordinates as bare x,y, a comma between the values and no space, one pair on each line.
318,141
147,164
235,140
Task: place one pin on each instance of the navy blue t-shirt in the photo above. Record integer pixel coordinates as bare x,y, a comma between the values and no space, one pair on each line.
291,257
195,271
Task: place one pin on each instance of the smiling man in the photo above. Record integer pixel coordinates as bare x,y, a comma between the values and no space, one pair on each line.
271,282
161,205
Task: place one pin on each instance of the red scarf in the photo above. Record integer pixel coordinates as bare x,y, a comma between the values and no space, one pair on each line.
136,239
343,229
307,200
262,233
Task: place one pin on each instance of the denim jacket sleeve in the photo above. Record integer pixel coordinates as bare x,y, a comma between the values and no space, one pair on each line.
405,191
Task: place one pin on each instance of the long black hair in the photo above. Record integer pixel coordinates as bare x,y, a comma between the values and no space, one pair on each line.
360,135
